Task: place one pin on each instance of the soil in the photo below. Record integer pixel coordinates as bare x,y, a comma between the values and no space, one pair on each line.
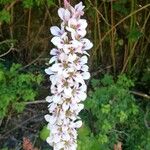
25,125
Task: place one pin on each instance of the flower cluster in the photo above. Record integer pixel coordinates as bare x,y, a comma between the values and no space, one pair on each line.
68,72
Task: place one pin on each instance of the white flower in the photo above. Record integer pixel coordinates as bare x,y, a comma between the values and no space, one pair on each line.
68,72
77,26
78,10
56,31
64,14
86,44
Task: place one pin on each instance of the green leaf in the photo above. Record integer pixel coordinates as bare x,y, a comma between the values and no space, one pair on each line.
5,1
28,94
19,107
134,35
44,133
2,76
120,6
107,80
83,131
50,3
4,16
28,3
105,108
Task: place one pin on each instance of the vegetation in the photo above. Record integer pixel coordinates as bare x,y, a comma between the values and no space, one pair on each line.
117,108
16,89
112,115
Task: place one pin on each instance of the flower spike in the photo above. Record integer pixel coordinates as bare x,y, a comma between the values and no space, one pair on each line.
68,71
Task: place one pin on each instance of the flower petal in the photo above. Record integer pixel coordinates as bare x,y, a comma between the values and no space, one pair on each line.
49,71
86,75
61,13
49,99
55,31
57,41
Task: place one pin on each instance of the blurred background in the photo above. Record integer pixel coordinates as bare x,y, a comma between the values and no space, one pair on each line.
116,114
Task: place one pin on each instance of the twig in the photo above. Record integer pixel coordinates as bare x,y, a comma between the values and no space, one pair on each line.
35,102
140,94
6,41
32,62
99,13
18,125
35,38
11,5
122,20
11,48
145,117
100,70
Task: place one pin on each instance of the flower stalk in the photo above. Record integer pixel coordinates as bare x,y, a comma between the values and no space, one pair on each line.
68,72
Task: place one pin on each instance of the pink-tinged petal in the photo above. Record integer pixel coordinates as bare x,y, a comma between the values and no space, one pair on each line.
55,31
59,146
57,41
64,127
54,129
86,44
64,36
83,60
79,78
49,99
75,35
66,136
56,67
85,68
84,52
78,124
76,43
65,74
83,87
52,107
49,71
71,30
86,75
50,119
49,140
54,51
66,4
61,13
80,107
53,59
62,57
66,48
57,138
62,114
82,96
65,106
83,23
73,106
68,92
57,98
59,88
67,15
47,118
53,79
72,57
72,23
82,33
79,6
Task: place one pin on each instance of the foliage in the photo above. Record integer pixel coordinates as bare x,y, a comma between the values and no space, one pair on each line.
44,133
146,75
120,6
16,89
113,116
120,32
4,16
